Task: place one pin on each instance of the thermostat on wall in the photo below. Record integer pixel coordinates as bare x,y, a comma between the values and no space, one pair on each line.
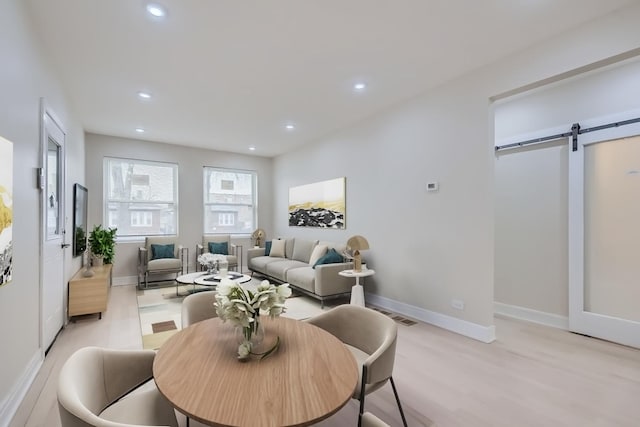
432,186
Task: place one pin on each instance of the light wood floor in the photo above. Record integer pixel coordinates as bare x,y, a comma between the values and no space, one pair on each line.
531,376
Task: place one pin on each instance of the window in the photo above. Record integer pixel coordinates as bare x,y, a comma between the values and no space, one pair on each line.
226,218
141,197
229,201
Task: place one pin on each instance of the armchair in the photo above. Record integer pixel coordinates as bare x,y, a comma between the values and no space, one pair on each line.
221,244
160,255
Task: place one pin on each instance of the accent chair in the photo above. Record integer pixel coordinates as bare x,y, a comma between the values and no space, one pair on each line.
161,255
220,244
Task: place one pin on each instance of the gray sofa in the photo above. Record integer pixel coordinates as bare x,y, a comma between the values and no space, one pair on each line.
322,283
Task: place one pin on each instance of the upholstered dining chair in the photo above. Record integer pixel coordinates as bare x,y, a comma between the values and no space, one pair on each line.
110,388
221,244
161,255
370,420
371,337
198,307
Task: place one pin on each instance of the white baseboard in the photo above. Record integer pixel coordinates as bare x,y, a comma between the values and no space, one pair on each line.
485,334
9,406
530,315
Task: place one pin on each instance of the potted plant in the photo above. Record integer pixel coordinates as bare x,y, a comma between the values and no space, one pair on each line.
102,244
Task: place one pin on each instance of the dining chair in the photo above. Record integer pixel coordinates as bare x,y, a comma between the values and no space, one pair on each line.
371,336
370,420
110,388
198,307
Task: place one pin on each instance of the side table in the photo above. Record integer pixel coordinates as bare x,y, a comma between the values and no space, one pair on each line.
357,291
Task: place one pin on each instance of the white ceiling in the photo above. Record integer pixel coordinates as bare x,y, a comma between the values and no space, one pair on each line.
229,74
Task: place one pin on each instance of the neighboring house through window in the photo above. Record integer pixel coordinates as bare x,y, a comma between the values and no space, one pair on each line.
141,197
229,201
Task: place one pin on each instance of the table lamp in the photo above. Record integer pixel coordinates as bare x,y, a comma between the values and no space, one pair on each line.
357,244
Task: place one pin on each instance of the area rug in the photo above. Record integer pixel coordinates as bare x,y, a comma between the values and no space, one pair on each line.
159,310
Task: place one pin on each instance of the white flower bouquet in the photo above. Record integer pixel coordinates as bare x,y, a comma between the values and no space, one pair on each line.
209,260
242,308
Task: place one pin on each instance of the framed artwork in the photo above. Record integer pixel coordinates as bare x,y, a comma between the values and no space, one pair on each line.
321,204
6,211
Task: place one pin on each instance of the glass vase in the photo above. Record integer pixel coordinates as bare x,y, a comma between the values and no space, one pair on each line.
254,333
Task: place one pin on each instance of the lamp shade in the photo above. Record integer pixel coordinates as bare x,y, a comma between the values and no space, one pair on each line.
357,243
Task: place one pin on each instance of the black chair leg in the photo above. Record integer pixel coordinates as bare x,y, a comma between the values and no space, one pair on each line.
363,384
395,392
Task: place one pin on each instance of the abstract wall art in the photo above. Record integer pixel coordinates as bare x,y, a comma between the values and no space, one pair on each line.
321,204
6,211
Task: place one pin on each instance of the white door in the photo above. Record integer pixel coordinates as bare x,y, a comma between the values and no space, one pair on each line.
604,235
53,229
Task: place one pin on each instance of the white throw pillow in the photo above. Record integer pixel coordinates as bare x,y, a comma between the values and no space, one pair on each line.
277,248
318,252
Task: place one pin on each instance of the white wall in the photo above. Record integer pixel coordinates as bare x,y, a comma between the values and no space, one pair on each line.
532,183
190,169
24,78
426,248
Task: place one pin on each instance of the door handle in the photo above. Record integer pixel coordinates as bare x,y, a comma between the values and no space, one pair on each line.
65,245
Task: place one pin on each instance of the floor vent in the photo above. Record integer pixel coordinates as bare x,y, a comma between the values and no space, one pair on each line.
396,317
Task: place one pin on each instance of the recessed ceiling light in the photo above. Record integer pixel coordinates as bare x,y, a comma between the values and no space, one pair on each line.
289,126
252,148
140,130
359,86
144,95
156,10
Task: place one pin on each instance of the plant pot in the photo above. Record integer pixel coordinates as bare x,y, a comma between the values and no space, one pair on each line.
98,261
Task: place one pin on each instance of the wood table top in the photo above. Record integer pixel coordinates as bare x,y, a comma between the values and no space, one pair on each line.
310,377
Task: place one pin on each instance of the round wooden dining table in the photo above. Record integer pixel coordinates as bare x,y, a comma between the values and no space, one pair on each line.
310,376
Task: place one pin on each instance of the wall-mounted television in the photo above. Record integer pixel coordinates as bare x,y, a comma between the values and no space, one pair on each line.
80,199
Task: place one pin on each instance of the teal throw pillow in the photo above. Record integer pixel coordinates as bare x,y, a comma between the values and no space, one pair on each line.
162,251
267,248
219,248
331,257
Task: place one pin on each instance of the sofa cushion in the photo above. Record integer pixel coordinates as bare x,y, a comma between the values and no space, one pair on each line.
303,277
339,247
277,248
162,251
221,248
259,263
267,247
331,257
278,270
302,249
164,264
318,252
289,246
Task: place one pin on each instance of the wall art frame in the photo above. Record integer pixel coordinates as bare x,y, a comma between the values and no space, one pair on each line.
6,211
321,204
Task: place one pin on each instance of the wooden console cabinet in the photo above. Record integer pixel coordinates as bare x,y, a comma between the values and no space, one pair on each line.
89,295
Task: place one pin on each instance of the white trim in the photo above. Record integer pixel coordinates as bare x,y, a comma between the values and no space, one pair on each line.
485,334
9,407
530,315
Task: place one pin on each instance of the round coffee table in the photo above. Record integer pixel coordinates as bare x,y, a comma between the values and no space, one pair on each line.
214,279
203,278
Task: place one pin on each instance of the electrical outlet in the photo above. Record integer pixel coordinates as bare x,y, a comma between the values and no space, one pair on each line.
432,186
458,304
